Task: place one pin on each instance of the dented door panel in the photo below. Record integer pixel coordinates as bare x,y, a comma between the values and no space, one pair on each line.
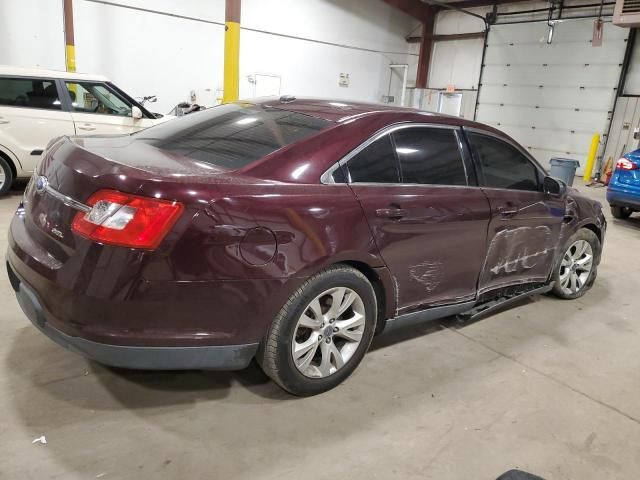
523,236
434,246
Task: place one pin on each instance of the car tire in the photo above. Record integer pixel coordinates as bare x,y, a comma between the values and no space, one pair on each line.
620,212
306,350
578,267
6,177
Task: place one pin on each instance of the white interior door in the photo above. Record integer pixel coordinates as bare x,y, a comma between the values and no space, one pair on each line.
551,98
266,85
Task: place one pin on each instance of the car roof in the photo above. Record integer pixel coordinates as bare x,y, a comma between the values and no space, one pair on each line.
9,70
341,111
350,124
333,110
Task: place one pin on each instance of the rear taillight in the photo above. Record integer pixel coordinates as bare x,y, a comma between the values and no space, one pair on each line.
626,164
125,220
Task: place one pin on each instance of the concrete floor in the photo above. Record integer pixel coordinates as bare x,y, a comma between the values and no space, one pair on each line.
552,387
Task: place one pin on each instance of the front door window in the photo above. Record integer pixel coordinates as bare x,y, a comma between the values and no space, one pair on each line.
89,97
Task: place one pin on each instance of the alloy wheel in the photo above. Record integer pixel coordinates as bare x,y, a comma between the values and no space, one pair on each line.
576,266
328,332
3,178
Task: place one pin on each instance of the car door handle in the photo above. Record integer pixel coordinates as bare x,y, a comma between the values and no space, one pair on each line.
393,213
86,126
507,210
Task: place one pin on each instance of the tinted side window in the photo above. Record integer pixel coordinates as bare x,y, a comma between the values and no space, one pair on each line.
429,156
375,164
503,166
29,93
339,176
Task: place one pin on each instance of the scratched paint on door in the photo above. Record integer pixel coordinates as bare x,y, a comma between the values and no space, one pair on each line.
517,250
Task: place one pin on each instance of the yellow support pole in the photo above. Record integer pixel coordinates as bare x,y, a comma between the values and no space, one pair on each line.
71,58
593,150
70,46
231,51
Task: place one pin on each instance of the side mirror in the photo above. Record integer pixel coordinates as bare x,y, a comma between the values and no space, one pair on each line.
136,113
553,186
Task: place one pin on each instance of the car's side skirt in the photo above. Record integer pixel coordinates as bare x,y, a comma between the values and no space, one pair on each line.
434,313
498,303
466,311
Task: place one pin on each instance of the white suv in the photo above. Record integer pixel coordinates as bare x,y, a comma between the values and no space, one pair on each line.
38,105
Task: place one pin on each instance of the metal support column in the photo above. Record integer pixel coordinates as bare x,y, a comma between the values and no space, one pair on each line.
70,45
231,51
426,46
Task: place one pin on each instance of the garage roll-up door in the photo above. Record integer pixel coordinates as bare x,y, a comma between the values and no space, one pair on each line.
551,98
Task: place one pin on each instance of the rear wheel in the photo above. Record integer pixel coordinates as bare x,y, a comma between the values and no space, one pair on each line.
620,212
322,333
6,176
577,269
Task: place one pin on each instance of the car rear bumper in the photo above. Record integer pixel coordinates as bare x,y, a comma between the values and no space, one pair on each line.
623,197
216,357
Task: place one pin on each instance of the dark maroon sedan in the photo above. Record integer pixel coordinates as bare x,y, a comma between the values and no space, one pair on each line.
290,231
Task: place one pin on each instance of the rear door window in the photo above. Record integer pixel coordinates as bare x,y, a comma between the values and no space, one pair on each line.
429,156
503,165
376,163
232,136
29,93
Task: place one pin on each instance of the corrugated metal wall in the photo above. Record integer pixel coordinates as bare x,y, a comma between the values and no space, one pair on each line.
551,98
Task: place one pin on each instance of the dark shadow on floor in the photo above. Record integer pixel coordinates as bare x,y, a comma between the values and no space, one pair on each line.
48,370
166,387
19,185
631,223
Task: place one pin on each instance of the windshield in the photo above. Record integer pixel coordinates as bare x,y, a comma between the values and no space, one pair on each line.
232,136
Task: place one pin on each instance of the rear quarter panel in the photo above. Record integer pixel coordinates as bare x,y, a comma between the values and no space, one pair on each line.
259,243
269,231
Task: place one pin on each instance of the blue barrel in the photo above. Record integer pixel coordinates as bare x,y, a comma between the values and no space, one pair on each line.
564,169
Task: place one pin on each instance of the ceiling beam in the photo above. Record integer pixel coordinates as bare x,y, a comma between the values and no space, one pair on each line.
426,47
483,3
414,8
449,37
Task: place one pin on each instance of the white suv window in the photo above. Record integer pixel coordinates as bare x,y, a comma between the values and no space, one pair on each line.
88,97
29,93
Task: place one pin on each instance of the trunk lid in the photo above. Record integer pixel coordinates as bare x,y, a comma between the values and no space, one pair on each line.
77,167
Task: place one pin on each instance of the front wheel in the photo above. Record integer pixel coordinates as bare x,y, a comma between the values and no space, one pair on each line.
620,212
577,269
322,333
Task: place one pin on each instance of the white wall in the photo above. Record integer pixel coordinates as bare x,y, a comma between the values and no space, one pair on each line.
27,40
148,53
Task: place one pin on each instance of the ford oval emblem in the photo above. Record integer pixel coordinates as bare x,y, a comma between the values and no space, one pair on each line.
41,184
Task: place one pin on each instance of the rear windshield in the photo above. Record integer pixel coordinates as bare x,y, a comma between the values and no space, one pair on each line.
232,136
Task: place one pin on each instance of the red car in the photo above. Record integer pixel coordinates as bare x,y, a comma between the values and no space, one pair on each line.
290,231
